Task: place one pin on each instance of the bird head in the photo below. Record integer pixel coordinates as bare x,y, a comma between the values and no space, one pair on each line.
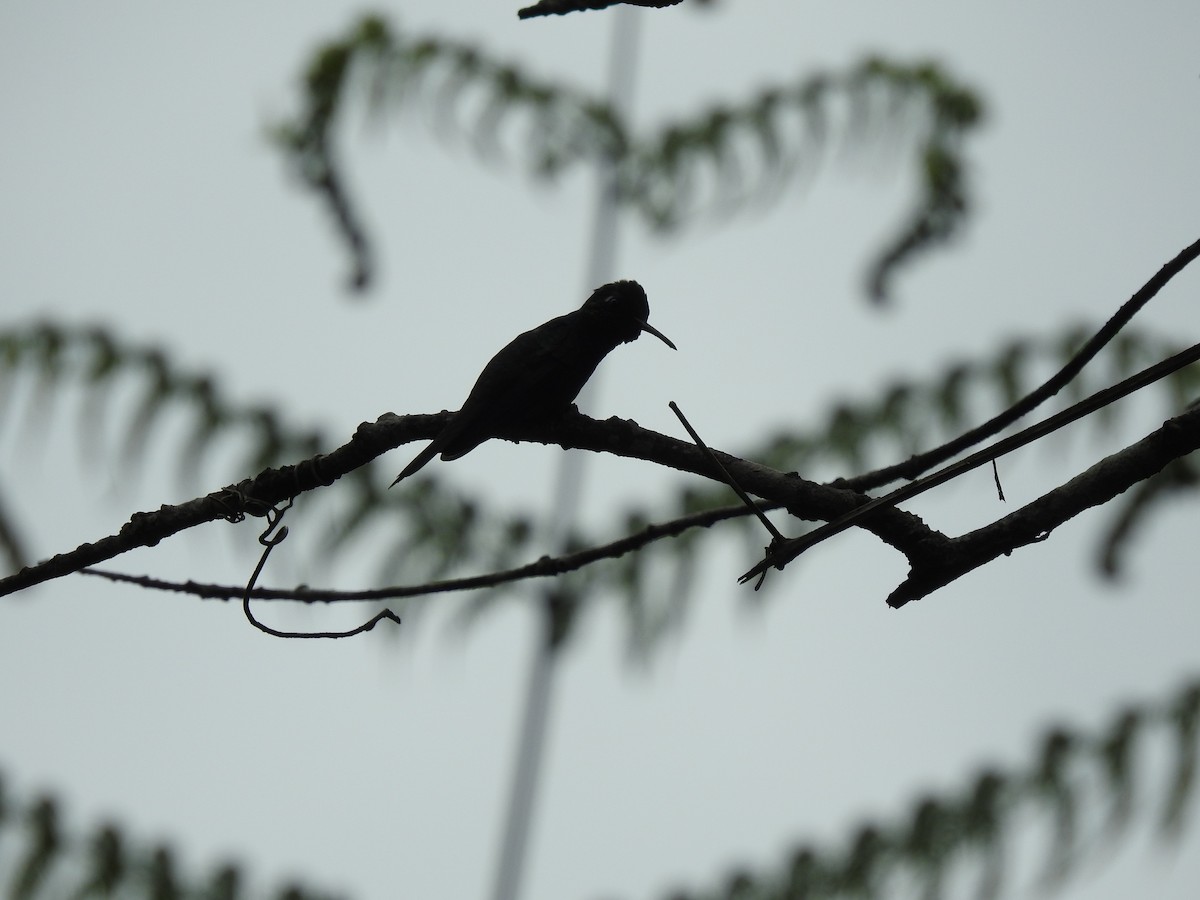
622,309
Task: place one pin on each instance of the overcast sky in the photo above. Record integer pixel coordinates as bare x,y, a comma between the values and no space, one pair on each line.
137,190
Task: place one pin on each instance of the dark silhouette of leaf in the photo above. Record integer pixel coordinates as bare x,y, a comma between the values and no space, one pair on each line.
41,849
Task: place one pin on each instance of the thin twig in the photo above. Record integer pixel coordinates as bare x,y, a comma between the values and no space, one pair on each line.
545,567
922,462
729,479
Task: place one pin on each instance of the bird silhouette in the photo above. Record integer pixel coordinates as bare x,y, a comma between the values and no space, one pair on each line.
539,374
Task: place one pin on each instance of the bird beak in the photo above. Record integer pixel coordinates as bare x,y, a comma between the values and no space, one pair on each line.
646,326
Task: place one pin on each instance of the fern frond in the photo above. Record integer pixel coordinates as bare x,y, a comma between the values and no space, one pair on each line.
439,528
44,859
746,149
1073,776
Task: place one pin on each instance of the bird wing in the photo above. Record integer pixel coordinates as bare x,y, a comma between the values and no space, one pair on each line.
521,383
532,376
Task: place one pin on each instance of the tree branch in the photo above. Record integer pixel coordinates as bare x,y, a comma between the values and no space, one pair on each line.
541,568
802,498
620,437
779,555
563,7
252,496
1035,521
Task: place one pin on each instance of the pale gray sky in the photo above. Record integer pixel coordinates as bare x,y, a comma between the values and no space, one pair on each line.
138,191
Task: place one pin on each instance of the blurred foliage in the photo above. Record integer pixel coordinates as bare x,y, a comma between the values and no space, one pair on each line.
436,527
720,158
39,861
729,153
12,544
428,531
908,416
1079,787
1136,507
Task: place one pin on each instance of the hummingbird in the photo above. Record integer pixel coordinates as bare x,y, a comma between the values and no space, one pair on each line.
539,374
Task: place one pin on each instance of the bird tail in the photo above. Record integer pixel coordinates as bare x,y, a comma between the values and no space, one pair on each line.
422,458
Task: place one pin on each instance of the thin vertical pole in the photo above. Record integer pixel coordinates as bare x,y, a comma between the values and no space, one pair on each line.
531,740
